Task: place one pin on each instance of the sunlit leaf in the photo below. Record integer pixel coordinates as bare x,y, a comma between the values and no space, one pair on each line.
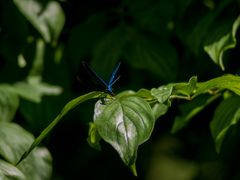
9,171
38,165
229,82
145,94
14,141
125,123
38,61
33,89
228,41
186,89
226,115
162,93
9,102
202,27
47,19
70,105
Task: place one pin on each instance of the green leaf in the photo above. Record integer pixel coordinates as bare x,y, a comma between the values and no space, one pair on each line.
38,165
8,171
191,109
33,89
186,89
229,82
107,51
38,61
157,57
125,123
156,17
162,93
84,36
93,136
226,115
145,94
48,19
201,29
70,105
14,141
9,102
159,109
217,48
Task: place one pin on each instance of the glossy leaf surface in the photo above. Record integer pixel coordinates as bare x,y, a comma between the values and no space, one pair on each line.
125,123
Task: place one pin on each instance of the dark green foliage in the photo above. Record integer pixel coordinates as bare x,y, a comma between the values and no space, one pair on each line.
178,95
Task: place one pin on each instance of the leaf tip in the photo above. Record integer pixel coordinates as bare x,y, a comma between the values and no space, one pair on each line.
133,169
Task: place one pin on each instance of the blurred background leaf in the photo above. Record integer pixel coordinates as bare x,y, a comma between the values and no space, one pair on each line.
9,102
47,18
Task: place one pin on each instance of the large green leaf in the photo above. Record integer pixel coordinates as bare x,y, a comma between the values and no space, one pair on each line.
84,36
155,55
157,17
125,123
48,19
14,141
107,51
217,48
9,102
70,105
226,115
38,165
9,171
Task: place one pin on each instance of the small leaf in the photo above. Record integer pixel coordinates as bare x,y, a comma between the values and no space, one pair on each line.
48,20
14,141
38,61
145,94
33,89
70,105
162,93
216,49
191,109
226,115
125,123
186,89
159,109
9,102
8,171
93,136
